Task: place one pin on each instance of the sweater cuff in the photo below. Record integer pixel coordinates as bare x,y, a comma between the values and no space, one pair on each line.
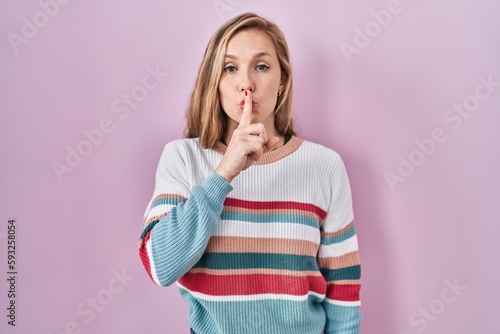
216,188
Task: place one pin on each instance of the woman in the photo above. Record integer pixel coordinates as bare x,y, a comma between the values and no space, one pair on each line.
254,223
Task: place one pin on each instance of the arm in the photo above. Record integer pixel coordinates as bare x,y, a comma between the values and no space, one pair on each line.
338,258
178,220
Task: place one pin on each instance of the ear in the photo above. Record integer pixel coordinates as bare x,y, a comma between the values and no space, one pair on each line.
282,81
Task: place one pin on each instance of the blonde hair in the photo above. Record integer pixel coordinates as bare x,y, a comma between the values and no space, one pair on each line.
205,117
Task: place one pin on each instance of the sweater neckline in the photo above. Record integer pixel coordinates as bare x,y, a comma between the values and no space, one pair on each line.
272,156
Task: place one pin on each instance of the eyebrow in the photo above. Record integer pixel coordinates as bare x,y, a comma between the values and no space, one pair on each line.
257,55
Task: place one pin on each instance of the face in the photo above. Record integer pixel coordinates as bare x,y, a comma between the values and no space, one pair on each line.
251,63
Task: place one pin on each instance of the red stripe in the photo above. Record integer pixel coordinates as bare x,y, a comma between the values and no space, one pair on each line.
344,292
275,205
143,252
252,284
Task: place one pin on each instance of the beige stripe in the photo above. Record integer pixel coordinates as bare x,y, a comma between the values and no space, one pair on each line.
223,244
346,260
169,196
339,232
253,271
146,222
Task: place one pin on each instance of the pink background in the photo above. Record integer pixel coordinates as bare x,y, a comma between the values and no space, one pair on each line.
438,228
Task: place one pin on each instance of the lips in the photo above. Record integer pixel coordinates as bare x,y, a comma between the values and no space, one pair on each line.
242,104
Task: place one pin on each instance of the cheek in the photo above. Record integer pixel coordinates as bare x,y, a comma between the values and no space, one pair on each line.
272,84
272,89
225,98
223,90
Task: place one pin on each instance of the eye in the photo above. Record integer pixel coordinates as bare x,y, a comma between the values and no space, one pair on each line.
229,69
262,67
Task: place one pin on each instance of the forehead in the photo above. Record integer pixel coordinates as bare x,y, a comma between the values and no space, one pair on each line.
249,42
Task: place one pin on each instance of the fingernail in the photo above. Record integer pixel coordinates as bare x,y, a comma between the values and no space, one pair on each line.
246,93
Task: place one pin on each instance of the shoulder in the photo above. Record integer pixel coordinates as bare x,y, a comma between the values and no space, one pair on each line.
182,144
320,152
183,147
180,150
325,161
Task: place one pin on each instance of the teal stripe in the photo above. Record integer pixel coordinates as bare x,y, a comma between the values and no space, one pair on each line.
166,200
353,272
339,238
270,218
148,228
257,260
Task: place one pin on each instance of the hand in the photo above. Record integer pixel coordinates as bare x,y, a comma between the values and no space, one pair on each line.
248,143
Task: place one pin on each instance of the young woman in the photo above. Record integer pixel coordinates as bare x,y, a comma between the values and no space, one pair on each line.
253,223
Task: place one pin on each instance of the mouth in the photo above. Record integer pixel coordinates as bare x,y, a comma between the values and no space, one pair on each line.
242,104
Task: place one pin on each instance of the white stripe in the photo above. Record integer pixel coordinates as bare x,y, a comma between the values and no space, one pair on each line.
342,303
231,228
339,249
334,224
151,262
147,209
159,210
241,298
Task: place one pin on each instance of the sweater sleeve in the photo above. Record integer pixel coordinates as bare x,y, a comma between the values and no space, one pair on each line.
338,258
179,221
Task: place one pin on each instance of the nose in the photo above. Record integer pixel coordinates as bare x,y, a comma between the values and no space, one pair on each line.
246,81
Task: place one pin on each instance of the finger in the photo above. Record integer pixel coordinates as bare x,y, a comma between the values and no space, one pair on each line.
252,158
246,114
256,129
248,163
272,142
245,138
257,155
252,147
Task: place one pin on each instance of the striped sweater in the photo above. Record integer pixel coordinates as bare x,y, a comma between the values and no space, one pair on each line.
274,251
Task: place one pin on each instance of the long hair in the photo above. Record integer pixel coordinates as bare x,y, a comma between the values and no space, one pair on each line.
205,117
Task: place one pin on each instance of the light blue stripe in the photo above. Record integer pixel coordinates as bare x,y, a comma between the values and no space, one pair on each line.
339,238
345,319
259,316
270,218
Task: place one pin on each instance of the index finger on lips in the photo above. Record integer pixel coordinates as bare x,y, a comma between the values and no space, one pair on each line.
246,114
